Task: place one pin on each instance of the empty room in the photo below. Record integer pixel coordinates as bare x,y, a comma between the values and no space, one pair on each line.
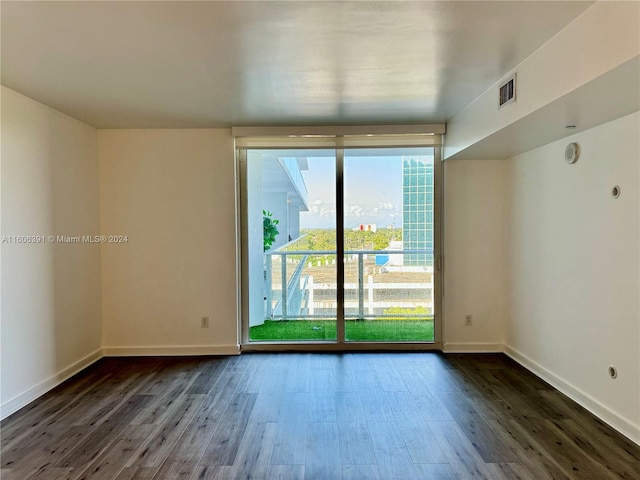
357,240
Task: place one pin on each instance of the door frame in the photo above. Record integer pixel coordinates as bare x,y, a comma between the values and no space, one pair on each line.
339,344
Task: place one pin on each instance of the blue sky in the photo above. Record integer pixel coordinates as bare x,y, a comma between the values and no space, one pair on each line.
373,191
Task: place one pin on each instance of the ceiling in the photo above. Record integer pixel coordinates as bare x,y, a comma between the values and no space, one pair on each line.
190,64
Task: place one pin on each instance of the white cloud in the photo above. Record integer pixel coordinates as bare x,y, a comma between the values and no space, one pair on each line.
322,209
355,211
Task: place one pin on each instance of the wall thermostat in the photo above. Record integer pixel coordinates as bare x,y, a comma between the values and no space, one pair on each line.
571,153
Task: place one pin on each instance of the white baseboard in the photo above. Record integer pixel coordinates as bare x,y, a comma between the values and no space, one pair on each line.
621,424
25,398
473,348
171,351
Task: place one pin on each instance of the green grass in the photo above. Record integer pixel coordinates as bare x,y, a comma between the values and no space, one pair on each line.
355,330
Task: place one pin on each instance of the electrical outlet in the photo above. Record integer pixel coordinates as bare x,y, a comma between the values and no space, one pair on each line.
468,320
204,322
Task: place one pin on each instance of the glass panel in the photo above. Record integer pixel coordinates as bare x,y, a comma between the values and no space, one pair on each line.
291,222
388,260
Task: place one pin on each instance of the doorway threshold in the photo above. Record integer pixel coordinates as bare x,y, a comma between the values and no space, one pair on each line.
340,347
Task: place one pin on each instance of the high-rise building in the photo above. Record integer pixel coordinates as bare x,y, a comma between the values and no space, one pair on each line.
417,208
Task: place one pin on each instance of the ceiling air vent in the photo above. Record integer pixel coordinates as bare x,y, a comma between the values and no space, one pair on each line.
507,92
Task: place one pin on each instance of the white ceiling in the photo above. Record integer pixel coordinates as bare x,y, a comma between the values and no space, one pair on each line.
208,64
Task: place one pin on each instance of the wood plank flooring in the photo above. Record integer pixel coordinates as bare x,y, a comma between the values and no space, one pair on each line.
352,416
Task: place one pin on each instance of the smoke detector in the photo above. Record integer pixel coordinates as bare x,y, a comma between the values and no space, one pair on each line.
571,153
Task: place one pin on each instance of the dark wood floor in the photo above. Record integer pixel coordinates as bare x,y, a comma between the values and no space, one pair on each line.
314,416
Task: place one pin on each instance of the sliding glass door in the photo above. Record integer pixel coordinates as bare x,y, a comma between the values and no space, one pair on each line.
389,244
339,245
292,268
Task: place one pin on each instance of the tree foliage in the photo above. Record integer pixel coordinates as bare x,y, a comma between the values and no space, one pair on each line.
325,239
270,232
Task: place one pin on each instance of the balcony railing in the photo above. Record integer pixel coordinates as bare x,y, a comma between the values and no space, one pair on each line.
301,284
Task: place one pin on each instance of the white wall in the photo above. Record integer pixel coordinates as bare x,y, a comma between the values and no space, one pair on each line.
293,222
475,254
172,192
574,269
50,292
604,37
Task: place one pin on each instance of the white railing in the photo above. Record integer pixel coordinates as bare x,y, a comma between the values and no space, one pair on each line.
297,294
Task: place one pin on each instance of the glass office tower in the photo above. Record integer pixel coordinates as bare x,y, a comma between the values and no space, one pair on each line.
417,209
